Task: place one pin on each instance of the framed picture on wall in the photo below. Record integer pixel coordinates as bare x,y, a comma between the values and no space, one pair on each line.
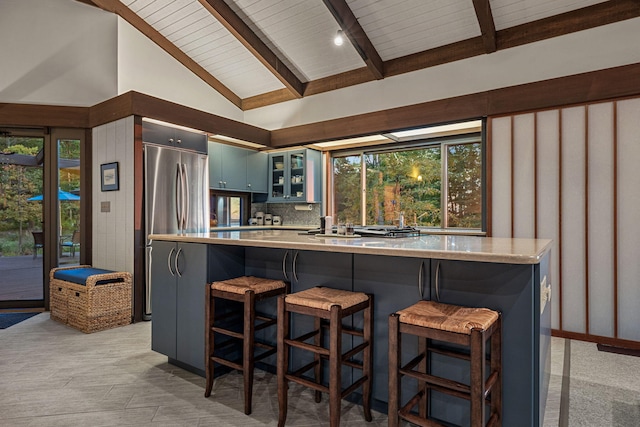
109,176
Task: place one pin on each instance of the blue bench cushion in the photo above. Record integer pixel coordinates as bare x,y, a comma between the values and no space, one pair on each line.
80,275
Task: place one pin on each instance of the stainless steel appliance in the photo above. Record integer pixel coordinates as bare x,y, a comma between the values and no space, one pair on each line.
176,188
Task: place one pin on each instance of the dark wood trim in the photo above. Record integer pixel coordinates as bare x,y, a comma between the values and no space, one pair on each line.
536,157
560,218
618,350
357,36
512,175
115,6
615,220
86,200
236,26
612,83
617,342
487,25
43,115
586,217
139,238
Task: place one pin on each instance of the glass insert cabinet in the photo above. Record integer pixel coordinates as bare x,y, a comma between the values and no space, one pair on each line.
294,176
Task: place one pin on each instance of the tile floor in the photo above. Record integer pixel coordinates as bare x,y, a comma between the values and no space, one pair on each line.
52,375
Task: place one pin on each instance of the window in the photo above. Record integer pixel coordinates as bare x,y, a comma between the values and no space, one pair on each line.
436,183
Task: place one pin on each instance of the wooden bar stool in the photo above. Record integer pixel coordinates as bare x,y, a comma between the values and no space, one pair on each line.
333,305
247,290
470,327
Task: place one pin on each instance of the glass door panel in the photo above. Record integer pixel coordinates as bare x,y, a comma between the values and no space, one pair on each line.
296,181
69,201
21,228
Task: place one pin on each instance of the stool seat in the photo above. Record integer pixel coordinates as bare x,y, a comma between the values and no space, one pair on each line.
324,298
240,285
447,317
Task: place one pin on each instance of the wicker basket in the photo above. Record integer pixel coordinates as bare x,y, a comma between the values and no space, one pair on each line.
91,307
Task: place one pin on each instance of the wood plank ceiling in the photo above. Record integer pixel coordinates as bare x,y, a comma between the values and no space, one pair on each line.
262,52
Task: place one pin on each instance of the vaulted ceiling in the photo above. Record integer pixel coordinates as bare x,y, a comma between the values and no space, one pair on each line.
262,52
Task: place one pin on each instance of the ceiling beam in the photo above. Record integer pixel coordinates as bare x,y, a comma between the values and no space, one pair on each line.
236,26
356,34
585,18
141,25
487,25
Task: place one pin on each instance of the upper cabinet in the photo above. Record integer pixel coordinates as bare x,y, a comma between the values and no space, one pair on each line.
179,138
237,169
295,176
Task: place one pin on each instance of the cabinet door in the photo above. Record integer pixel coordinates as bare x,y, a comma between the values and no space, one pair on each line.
395,283
191,140
163,298
297,178
512,290
215,165
234,168
190,299
257,175
278,177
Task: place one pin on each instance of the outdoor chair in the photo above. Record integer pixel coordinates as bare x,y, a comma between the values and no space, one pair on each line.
38,242
71,245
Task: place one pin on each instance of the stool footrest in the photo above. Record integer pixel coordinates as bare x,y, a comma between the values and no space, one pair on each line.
226,362
307,383
488,385
345,330
439,381
347,391
355,350
227,332
267,321
413,362
406,414
267,353
309,347
349,363
304,368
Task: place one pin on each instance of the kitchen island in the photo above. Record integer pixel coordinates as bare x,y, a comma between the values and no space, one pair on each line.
509,275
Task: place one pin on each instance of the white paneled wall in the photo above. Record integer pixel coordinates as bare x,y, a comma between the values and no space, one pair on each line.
113,234
573,175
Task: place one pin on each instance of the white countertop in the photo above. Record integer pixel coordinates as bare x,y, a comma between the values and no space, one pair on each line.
464,248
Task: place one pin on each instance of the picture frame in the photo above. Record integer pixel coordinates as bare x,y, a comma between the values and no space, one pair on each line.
109,178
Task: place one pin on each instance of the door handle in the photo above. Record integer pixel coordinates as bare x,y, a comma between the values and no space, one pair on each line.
176,262
185,197
420,280
284,265
293,267
438,281
169,262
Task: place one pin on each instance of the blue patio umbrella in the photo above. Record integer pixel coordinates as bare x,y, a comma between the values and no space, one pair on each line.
62,196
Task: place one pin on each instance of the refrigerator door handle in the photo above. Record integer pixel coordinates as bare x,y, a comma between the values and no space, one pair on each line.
179,196
185,197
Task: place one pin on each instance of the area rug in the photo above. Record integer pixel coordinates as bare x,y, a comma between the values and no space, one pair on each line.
10,319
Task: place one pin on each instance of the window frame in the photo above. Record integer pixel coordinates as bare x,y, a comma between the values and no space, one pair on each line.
443,142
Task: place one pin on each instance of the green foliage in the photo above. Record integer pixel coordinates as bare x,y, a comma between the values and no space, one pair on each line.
410,181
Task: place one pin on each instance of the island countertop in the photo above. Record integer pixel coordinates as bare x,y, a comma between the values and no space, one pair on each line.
463,248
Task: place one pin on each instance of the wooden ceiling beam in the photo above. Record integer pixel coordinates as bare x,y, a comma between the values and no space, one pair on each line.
356,34
141,25
487,25
236,26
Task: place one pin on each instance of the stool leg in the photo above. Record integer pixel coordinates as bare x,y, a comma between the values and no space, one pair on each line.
335,365
283,360
395,342
496,366
478,367
317,370
248,348
367,359
209,340
423,409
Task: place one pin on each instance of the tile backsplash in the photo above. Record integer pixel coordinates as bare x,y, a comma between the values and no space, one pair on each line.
290,216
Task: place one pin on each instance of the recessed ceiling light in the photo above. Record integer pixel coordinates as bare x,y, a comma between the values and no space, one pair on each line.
339,38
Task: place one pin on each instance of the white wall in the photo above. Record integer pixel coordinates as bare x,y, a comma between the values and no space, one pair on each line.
590,50
113,232
56,52
571,175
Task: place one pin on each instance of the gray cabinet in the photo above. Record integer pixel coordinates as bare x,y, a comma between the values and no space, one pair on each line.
237,169
295,176
178,277
395,282
165,135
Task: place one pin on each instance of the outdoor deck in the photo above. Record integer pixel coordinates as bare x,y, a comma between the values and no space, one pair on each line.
21,276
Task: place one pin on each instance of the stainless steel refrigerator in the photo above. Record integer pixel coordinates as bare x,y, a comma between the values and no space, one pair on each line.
176,188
